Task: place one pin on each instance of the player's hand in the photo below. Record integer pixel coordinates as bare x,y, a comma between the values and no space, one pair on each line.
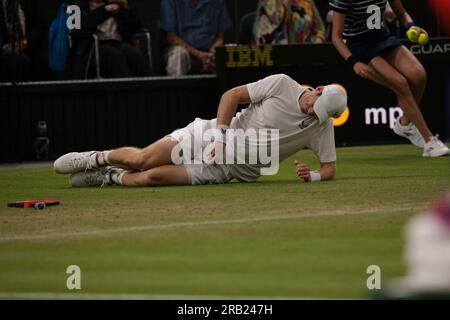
420,30
303,171
362,70
214,152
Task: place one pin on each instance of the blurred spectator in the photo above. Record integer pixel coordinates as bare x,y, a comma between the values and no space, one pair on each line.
427,255
288,21
30,34
114,23
194,29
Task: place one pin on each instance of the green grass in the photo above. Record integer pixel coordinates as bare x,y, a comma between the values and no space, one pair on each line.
274,238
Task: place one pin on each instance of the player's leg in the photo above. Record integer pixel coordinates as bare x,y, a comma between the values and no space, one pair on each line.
378,78
402,125
407,64
155,155
172,175
433,147
400,85
166,175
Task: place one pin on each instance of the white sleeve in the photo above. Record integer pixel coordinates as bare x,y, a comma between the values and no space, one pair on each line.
267,87
322,145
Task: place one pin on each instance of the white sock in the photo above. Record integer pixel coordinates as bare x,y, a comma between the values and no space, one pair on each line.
105,157
101,159
117,175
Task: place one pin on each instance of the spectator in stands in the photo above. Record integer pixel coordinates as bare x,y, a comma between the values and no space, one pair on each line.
427,256
194,29
114,23
288,21
23,21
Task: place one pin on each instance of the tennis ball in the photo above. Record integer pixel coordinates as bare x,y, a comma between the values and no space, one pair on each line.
413,35
423,39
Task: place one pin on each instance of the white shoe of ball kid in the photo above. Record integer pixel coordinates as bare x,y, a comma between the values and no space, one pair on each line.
409,132
435,148
75,162
92,178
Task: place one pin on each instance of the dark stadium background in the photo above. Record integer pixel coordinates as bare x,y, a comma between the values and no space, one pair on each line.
105,114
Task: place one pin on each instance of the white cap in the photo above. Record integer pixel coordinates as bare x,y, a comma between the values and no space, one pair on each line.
331,103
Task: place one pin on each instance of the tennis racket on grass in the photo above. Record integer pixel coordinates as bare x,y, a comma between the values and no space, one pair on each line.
32,203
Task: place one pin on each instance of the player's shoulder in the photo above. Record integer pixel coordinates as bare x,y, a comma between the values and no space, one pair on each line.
280,79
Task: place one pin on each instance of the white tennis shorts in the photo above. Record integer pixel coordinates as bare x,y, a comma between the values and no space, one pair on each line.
200,173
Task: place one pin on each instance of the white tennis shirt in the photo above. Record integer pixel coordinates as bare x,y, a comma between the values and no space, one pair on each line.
274,105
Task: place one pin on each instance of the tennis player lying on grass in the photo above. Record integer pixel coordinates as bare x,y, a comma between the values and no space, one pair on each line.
283,116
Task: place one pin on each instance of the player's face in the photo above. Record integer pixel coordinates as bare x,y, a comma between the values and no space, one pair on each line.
308,100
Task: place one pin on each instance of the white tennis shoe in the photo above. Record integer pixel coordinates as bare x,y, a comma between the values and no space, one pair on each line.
409,132
435,148
94,178
76,161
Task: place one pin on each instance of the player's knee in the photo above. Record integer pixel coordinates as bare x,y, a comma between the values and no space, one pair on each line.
419,75
139,161
400,84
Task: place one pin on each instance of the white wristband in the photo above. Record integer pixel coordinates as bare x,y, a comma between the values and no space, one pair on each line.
315,176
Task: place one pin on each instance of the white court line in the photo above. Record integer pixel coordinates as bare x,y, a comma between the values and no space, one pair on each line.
125,296
193,224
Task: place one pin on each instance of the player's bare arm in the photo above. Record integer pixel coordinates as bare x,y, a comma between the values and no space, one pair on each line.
403,16
360,68
400,12
327,170
226,110
337,37
229,103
